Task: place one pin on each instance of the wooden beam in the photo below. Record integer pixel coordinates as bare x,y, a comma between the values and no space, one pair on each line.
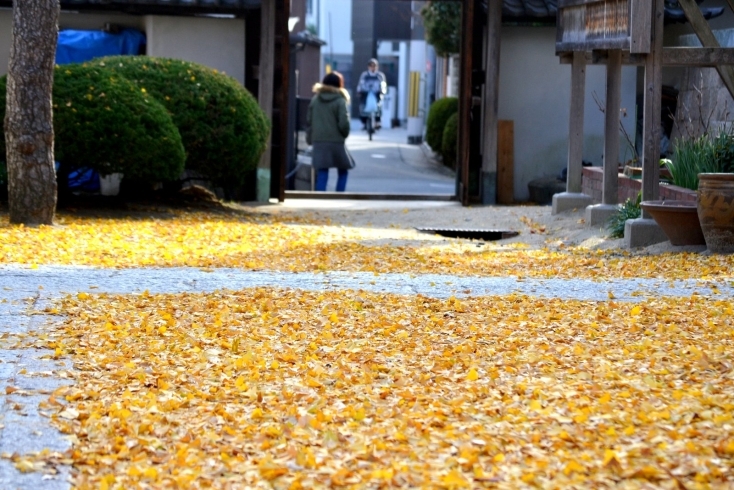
652,108
672,56
611,128
707,38
576,124
701,57
491,102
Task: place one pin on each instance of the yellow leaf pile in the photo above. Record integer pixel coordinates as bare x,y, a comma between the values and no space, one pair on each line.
200,239
272,388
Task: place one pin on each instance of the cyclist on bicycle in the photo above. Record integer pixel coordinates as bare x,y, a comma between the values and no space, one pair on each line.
371,80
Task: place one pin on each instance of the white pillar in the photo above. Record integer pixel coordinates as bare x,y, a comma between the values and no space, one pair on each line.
416,105
403,82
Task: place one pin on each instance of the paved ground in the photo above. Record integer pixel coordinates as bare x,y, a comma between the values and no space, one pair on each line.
35,375
389,165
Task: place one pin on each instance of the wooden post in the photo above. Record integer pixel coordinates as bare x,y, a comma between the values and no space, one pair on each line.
491,102
576,123
266,74
465,101
611,127
505,162
640,26
708,40
652,108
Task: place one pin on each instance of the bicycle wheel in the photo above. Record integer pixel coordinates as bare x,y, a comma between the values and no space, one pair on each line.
370,127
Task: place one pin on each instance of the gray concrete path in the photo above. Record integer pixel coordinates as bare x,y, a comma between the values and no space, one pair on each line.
24,292
27,377
389,165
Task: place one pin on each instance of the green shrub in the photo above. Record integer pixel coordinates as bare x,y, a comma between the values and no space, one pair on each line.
449,144
438,114
222,127
104,122
442,23
704,154
629,210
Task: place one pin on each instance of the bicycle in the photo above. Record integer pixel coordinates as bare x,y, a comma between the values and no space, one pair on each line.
370,126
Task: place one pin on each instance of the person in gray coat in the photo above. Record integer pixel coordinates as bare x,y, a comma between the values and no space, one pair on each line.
327,129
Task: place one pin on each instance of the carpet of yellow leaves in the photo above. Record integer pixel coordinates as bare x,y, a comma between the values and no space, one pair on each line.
270,388
273,388
199,239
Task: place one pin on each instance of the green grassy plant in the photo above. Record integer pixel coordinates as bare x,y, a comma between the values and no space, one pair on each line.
703,154
628,210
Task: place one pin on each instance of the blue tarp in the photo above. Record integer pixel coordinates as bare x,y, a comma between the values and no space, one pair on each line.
78,46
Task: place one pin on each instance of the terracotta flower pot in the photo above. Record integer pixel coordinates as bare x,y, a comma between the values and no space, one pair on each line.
678,220
716,211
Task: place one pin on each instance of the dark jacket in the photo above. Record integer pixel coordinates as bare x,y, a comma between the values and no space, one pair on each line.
328,115
372,82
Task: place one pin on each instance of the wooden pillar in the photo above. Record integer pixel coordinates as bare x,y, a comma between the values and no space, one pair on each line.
465,101
576,123
611,127
652,109
281,101
505,162
266,77
491,102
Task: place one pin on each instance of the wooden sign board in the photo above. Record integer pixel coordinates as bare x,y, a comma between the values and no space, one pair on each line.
587,25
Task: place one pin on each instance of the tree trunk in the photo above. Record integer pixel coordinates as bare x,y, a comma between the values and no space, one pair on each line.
29,134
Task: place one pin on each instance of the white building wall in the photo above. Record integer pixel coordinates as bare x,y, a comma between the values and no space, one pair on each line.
67,20
535,92
216,43
92,21
335,27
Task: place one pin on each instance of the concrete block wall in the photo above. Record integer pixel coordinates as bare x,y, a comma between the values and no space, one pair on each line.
627,188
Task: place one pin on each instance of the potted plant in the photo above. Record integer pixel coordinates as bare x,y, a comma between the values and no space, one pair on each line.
679,219
716,195
705,164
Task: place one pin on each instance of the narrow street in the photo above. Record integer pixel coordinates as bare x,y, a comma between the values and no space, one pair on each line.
389,165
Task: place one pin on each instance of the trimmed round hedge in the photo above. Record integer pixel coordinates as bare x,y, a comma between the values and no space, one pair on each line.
222,127
449,144
438,114
104,122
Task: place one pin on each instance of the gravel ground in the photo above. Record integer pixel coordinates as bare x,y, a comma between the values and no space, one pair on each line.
382,221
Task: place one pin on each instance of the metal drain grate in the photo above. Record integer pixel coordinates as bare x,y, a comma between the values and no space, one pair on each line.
486,235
